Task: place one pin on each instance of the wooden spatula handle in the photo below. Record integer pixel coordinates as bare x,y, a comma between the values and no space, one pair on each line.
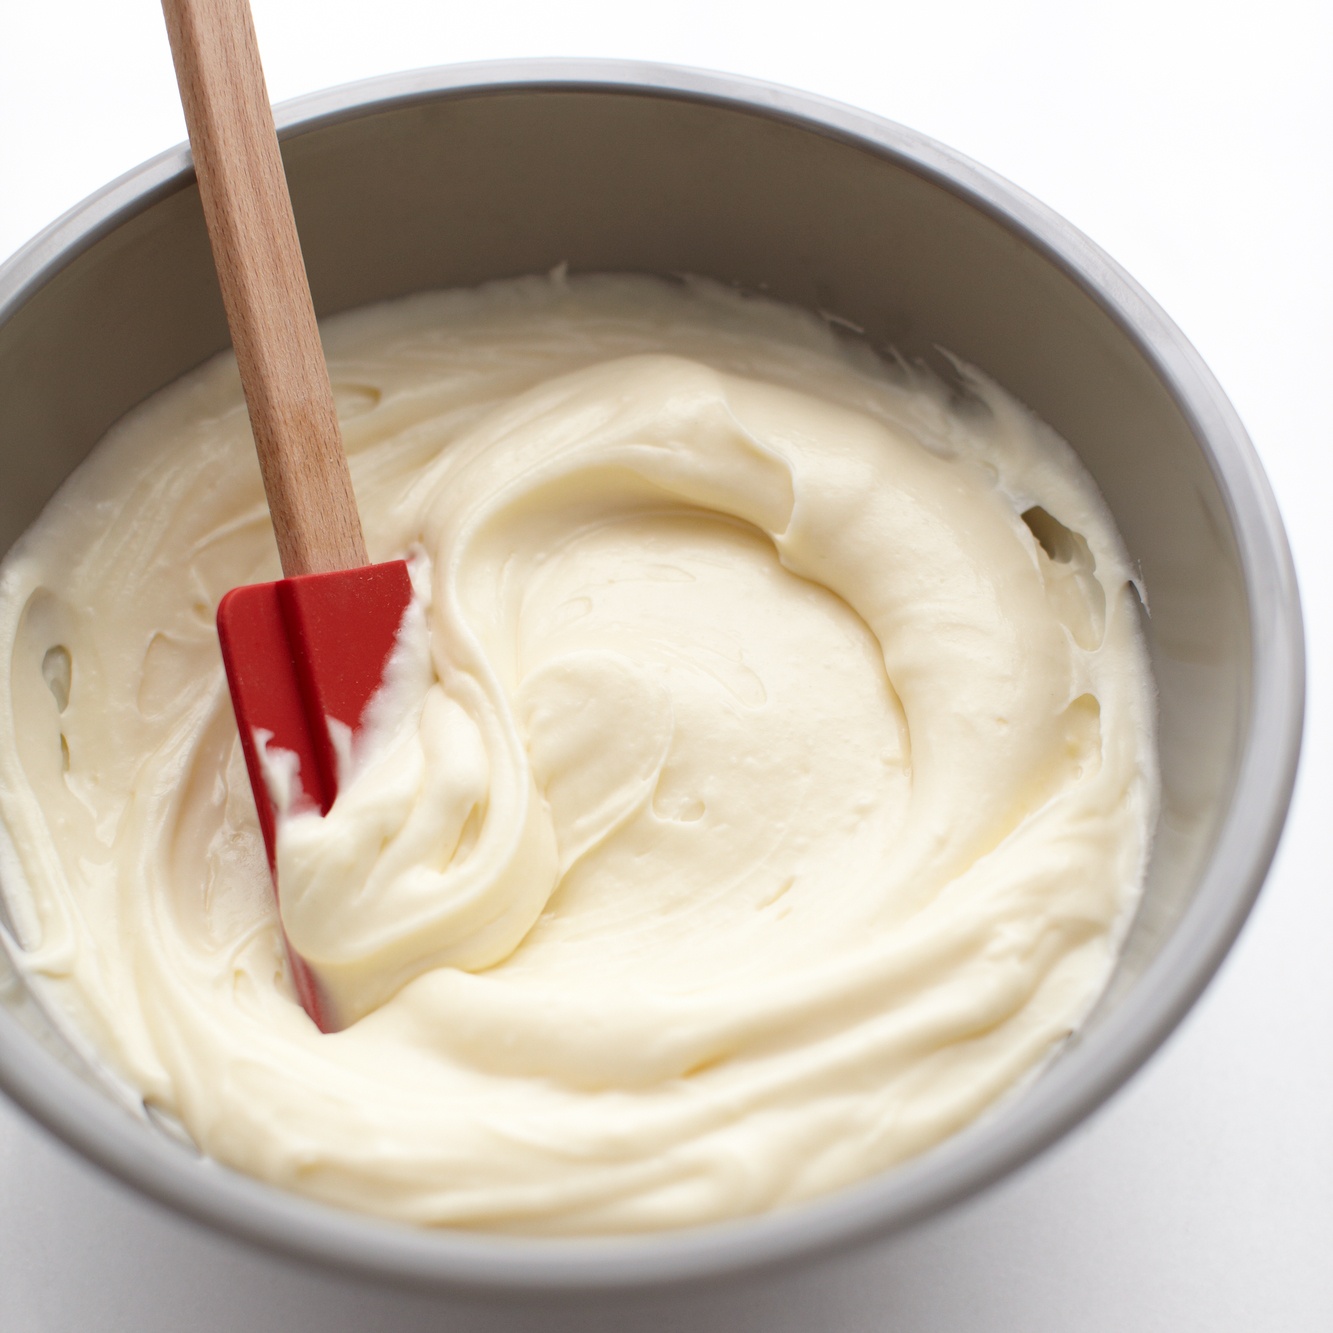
264,285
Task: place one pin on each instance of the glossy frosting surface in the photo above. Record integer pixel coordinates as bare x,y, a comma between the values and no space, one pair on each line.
767,785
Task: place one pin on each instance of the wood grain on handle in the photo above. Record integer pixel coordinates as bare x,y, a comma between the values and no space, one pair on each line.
264,285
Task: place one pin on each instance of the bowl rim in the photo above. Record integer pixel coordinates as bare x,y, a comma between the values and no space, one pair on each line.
1068,1091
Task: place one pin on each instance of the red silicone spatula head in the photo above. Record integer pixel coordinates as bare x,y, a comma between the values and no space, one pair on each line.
298,653
313,646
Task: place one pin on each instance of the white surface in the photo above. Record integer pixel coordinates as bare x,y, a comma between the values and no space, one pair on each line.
1194,142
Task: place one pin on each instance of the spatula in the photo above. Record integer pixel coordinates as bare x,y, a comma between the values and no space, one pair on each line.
312,646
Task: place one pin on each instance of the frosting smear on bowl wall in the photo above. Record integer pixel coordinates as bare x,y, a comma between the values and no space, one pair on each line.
761,790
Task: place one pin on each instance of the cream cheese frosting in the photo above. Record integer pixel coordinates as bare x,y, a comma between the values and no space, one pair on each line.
765,788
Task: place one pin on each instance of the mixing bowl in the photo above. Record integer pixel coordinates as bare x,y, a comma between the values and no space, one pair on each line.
448,177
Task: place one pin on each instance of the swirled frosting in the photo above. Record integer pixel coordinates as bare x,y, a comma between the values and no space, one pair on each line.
768,782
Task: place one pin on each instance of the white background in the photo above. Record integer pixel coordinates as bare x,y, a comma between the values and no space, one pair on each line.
1194,141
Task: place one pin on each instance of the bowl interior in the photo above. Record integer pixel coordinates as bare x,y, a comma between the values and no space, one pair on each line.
456,185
